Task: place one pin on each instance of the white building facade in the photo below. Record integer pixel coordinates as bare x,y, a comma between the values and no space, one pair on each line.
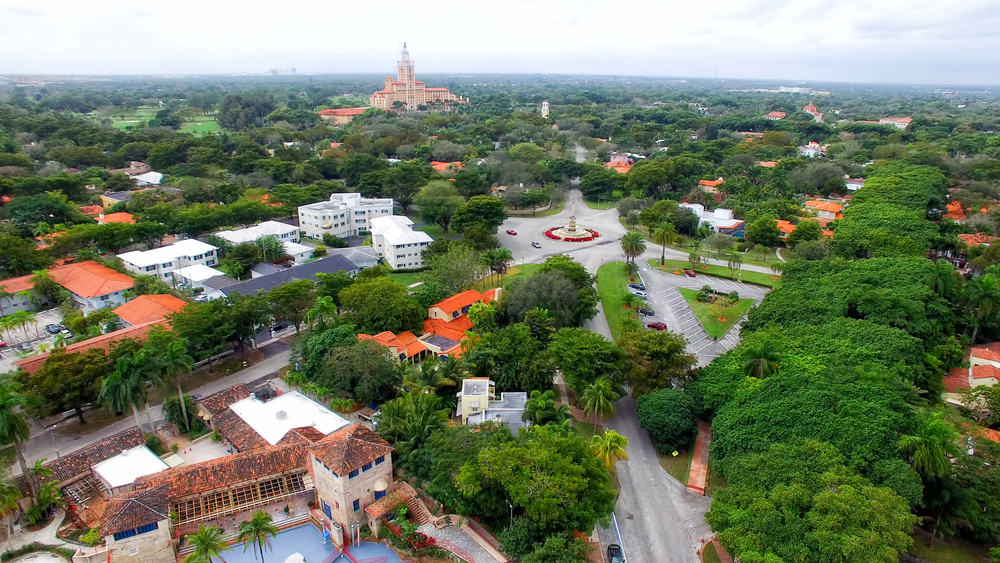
161,262
344,215
287,235
395,241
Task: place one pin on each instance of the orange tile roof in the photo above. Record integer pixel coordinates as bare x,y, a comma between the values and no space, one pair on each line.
777,114
711,183
956,212
767,164
146,308
957,378
825,206
442,166
619,167
388,503
350,448
14,285
454,330
104,342
985,372
458,301
90,279
976,239
120,217
91,210
343,111
785,226
989,352
404,343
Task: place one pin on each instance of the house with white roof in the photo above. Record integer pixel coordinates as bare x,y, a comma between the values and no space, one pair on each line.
162,262
344,215
147,180
813,150
897,122
257,421
720,220
395,241
118,473
287,235
195,276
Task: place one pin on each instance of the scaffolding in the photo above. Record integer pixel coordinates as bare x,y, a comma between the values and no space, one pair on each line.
244,497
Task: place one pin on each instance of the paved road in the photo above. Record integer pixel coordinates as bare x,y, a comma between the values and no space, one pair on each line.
43,443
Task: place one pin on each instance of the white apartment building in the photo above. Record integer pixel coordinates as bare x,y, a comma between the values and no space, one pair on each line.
161,262
344,215
395,241
288,235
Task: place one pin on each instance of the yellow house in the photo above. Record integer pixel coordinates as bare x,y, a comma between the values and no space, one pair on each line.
475,396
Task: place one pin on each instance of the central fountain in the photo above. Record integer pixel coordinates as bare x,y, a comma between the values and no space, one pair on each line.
571,232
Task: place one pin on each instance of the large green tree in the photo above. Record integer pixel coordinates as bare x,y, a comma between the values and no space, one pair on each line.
438,202
483,211
66,381
381,304
291,301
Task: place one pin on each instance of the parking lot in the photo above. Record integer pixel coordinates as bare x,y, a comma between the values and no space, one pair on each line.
36,337
671,309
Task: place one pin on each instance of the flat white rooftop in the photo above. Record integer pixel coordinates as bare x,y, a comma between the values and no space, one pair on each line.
273,419
182,248
198,272
126,467
251,234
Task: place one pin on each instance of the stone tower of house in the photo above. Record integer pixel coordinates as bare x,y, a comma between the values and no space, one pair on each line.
545,108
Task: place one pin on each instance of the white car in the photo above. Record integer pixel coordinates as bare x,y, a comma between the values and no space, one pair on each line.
641,294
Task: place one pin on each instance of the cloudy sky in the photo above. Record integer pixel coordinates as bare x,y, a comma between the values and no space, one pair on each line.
912,41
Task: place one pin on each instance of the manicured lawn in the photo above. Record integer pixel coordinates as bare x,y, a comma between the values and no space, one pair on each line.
678,467
435,231
490,282
406,279
953,551
604,203
713,326
557,208
201,126
746,276
709,555
611,282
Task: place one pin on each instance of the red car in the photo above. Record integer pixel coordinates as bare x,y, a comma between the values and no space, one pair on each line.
511,232
3,344
657,326
691,273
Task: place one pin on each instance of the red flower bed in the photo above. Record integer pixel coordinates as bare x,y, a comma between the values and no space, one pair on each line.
419,540
549,234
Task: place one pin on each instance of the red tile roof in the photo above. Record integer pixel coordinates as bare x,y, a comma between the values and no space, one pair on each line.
976,239
956,212
985,372
785,226
767,164
90,279
459,301
825,206
349,448
957,378
120,217
442,166
104,342
245,439
147,308
388,503
79,462
14,285
989,352
132,510
343,111
91,210
404,343
775,114
711,183
220,401
452,330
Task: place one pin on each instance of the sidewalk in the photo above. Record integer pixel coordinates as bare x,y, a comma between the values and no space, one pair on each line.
698,478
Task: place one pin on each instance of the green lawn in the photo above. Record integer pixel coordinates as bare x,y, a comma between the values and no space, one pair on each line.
713,326
556,209
435,231
585,429
515,272
611,282
679,467
406,279
604,203
952,551
709,555
201,126
746,276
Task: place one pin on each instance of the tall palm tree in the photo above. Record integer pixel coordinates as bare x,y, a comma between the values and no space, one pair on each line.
609,448
43,284
599,397
207,543
983,297
120,392
928,450
941,277
502,258
13,425
255,531
762,359
735,262
9,508
22,319
411,418
323,312
633,244
666,234
174,363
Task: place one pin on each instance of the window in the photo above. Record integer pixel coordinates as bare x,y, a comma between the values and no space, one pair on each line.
357,505
326,509
380,460
198,257
136,531
379,494
352,475
105,298
366,467
150,268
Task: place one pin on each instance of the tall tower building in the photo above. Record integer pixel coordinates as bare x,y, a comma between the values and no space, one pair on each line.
545,108
406,91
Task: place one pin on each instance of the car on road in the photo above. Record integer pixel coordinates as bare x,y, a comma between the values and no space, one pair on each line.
511,232
657,325
24,347
280,327
535,245
639,286
53,329
691,273
615,554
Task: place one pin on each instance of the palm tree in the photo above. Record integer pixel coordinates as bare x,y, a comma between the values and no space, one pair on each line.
928,450
255,531
410,419
598,398
609,448
502,259
22,319
174,362
942,278
207,543
324,311
735,261
43,284
13,426
9,508
762,359
666,234
983,297
541,408
633,244
119,392
632,269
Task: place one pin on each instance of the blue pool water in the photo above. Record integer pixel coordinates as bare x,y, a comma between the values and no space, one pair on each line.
308,540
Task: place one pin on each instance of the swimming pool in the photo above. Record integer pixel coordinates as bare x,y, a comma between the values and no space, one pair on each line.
307,540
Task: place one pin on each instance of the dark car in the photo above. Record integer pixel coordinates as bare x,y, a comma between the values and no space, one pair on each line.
536,245
691,273
511,232
53,329
615,554
644,309
639,286
657,326
280,327
24,347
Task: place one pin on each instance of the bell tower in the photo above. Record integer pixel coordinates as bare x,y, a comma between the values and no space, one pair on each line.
405,74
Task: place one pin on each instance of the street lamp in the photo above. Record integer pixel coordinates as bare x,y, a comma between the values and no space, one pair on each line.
511,522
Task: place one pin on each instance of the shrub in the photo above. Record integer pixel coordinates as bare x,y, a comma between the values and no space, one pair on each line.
154,444
668,416
319,251
334,241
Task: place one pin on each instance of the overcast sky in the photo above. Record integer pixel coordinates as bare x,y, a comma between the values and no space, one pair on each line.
914,41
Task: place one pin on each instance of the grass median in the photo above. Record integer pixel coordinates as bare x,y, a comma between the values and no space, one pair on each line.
612,280
746,276
714,325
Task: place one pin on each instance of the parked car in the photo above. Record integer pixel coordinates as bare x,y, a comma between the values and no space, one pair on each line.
641,294
635,291
24,347
280,327
511,232
615,554
536,245
53,329
645,310
639,286
691,273
657,326
3,344
67,333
